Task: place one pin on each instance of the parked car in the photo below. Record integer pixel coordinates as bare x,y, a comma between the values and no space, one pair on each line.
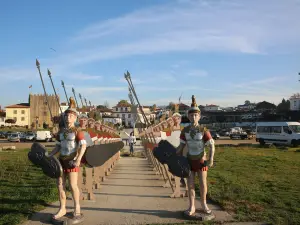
215,135
30,136
14,137
2,135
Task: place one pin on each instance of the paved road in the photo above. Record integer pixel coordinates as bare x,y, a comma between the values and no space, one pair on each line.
132,194
223,140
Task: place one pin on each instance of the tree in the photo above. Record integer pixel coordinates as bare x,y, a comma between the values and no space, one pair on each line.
171,106
124,103
284,106
153,108
247,102
100,106
106,104
265,105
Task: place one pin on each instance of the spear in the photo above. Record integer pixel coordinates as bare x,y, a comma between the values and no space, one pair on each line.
75,97
81,100
86,103
49,74
38,67
90,103
63,85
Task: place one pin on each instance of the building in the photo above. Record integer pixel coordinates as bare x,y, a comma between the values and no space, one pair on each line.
123,110
295,102
39,111
20,113
111,119
212,108
246,107
64,106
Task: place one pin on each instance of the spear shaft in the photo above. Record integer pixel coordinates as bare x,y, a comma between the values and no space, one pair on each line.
81,100
49,74
63,85
38,67
75,97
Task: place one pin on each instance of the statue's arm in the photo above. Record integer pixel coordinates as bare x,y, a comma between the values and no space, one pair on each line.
182,143
211,143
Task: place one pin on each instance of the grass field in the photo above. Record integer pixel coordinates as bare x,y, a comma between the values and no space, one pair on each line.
257,184
23,188
254,184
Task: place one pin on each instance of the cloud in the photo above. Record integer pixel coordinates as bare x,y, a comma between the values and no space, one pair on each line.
217,26
197,73
83,76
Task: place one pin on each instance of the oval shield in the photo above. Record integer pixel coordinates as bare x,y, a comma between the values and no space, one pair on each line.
179,166
37,154
164,151
52,167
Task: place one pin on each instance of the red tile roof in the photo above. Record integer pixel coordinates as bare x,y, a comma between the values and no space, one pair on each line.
21,105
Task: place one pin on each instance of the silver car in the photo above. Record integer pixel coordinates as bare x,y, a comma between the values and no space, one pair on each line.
14,137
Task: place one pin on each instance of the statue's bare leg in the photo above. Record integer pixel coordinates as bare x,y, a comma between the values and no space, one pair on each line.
203,190
191,190
73,176
61,186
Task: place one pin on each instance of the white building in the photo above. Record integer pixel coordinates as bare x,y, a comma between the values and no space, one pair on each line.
111,119
2,121
123,111
212,108
246,107
295,102
64,106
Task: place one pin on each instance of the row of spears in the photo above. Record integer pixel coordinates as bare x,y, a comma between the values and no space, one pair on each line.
158,141
102,152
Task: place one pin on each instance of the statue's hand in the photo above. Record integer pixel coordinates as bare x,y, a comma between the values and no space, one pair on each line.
211,163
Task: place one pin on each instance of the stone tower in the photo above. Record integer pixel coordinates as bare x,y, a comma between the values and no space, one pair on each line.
39,111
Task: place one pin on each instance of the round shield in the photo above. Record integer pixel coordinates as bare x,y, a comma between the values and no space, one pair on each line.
179,166
52,167
37,154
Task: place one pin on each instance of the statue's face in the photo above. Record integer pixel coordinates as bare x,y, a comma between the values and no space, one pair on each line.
177,120
91,124
71,118
170,122
83,122
164,125
194,117
97,126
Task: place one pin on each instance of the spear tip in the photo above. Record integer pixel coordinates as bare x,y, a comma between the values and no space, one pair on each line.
37,63
62,83
49,73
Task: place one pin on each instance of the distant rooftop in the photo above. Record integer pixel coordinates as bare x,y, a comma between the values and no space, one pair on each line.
20,105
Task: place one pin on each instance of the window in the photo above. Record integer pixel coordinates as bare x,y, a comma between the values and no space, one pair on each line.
286,129
295,128
126,109
23,111
276,130
116,109
15,119
22,118
15,112
129,115
123,116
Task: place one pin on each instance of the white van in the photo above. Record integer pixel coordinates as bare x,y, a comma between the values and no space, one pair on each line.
43,135
287,133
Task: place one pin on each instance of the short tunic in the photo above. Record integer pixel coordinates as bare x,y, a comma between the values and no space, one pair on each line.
196,140
69,144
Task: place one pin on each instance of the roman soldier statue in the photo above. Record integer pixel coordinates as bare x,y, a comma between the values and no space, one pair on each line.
71,146
196,137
